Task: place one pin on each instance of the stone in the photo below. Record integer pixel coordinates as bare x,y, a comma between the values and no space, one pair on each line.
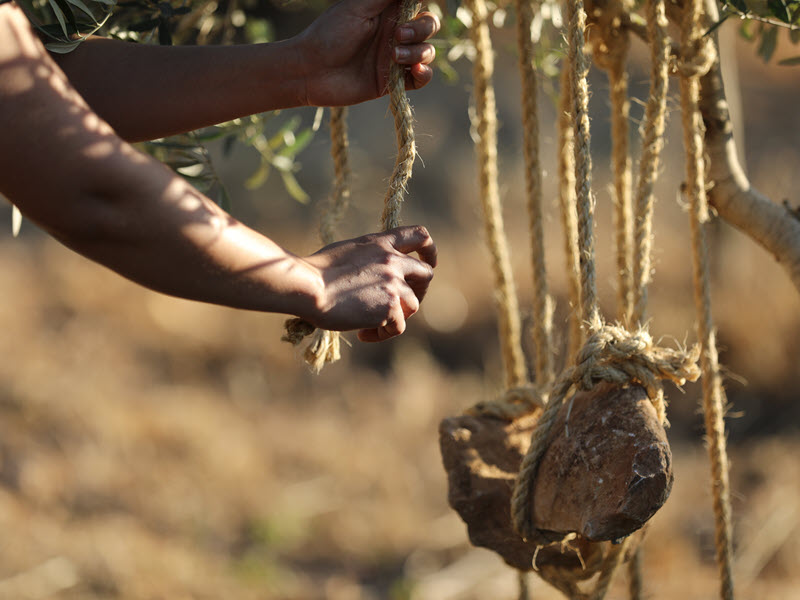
605,473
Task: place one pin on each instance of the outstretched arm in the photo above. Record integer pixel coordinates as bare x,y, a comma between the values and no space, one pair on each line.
147,92
68,171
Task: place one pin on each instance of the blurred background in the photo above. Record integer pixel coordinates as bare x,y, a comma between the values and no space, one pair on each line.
156,448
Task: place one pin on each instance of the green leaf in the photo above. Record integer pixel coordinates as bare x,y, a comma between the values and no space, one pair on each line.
769,41
738,5
779,10
294,189
301,141
790,62
62,47
258,178
60,16
67,11
83,7
745,30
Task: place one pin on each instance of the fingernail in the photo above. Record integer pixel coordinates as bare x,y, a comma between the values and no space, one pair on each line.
404,34
401,53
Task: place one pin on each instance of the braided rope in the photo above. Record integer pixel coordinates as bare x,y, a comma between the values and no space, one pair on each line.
652,145
696,50
486,125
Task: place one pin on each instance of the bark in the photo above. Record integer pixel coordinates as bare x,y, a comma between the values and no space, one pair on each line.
774,227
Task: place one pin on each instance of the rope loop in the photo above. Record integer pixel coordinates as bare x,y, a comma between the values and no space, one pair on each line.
512,404
612,354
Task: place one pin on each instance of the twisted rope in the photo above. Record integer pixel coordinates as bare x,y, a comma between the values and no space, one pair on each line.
610,42
533,188
652,145
325,345
695,52
566,196
486,125
610,354
583,162
404,129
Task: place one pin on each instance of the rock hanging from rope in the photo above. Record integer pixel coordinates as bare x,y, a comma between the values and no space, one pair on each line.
607,470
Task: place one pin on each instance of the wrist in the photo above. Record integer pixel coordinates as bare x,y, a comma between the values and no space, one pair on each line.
306,296
301,65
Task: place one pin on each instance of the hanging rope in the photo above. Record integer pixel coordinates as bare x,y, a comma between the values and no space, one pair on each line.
583,163
610,42
652,145
566,179
697,55
610,353
533,188
486,125
403,125
325,345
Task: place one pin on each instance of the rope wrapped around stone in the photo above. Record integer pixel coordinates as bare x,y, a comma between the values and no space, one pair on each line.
613,354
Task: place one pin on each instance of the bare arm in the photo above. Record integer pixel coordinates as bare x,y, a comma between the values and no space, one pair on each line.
67,170
146,92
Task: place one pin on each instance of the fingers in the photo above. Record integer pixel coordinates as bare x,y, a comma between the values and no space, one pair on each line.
414,52
395,323
424,26
414,238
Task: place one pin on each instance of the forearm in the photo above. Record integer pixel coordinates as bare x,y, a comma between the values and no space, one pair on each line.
147,92
69,172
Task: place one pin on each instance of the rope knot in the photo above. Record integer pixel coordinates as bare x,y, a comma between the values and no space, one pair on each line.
612,354
512,404
697,55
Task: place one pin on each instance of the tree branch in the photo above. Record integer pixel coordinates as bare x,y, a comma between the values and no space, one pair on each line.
774,227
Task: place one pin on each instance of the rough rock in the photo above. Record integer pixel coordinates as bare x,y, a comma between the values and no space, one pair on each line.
605,473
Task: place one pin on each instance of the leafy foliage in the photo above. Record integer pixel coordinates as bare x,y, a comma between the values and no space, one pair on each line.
762,22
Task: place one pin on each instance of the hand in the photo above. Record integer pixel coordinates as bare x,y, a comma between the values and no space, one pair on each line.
372,284
347,52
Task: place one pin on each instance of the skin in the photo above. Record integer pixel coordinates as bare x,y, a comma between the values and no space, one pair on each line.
66,163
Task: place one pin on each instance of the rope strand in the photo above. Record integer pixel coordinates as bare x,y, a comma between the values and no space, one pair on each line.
486,125
652,145
694,44
533,188
566,196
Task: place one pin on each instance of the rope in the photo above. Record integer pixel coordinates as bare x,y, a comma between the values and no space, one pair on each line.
566,178
610,50
652,144
697,55
403,125
533,187
486,125
635,575
325,345
610,354
583,162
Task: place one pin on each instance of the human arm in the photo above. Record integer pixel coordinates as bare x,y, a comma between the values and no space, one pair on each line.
68,171
147,92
